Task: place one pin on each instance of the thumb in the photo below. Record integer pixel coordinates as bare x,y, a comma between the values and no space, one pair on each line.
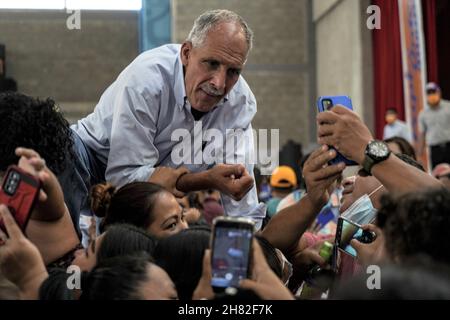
356,245
250,285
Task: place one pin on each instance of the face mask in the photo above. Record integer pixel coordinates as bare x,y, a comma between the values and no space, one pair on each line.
390,118
433,99
362,210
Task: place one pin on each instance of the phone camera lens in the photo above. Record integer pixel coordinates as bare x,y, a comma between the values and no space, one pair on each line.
327,104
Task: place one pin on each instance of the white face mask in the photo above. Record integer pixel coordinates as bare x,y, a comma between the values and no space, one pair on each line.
362,210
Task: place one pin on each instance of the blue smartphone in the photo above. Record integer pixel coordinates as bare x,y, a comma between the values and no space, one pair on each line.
326,103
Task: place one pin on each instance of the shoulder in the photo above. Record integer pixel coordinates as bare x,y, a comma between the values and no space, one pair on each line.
152,70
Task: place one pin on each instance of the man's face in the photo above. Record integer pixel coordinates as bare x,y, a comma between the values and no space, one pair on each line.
355,187
212,69
390,117
433,97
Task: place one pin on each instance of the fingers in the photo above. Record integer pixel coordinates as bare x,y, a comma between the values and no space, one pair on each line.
259,261
25,152
372,227
341,110
206,270
177,193
316,258
327,117
357,245
232,169
325,130
11,226
181,170
331,172
252,285
320,159
37,163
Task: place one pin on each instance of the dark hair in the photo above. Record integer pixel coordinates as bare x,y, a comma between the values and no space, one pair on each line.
132,204
392,110
407,159
55,286
117,278
181,256
36,124
270,253
400,282
125,239
405,147
417,223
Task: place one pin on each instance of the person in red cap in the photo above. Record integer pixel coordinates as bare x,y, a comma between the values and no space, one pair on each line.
434,126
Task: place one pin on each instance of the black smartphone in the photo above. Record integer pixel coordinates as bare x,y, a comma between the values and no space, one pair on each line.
19,193
347,231
231,245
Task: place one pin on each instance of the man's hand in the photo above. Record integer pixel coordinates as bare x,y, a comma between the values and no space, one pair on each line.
167,178
264,281
319,175
231,179
344,130
20,260
370,253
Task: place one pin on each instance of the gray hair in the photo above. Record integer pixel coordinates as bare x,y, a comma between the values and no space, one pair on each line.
209,19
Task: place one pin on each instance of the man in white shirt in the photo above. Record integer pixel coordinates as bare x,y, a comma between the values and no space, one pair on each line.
180,93
395,127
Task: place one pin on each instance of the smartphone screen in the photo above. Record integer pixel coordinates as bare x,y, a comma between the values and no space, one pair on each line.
231,253
346,232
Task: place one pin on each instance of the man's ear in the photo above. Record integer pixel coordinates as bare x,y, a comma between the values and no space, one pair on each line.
186,49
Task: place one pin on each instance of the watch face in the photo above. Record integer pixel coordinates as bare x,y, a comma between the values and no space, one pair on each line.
378,149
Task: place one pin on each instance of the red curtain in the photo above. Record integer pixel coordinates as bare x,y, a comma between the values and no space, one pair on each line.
387,64
429,26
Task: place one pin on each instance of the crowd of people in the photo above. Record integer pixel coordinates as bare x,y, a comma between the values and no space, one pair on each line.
117,218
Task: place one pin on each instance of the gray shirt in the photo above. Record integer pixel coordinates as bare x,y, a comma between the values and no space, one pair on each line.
144,115
435,123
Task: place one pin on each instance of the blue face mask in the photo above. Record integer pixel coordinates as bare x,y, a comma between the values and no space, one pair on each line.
362,210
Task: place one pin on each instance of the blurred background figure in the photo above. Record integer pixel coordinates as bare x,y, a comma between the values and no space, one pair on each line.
283,181
434,126
401,145
395,127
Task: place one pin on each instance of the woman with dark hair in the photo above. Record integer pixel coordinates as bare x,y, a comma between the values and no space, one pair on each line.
189,247
132,277
117,240
402,146
142,204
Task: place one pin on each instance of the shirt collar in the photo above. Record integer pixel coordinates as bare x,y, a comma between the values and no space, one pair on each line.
180,89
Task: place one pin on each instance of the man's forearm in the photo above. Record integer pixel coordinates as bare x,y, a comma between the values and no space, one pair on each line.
195,182
398,176
287,226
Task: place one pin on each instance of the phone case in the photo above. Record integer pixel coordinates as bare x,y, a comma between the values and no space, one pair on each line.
346,102
19,193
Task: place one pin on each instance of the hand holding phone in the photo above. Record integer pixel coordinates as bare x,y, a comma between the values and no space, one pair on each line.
19,193
325,104
231,251
347,231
